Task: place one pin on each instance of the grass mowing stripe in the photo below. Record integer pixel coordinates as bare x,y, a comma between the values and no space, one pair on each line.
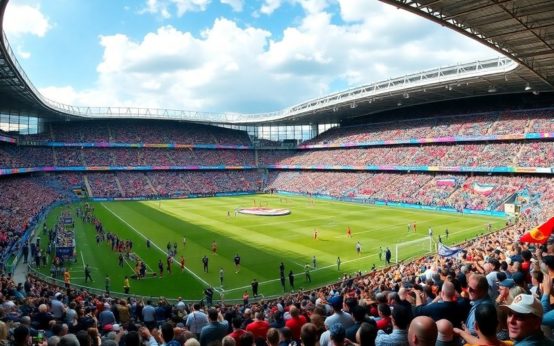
154,244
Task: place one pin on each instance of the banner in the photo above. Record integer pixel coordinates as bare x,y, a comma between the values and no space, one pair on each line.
446,251
484,189
446,182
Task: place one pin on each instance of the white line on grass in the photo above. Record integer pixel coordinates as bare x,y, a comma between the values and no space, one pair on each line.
302,273
159,248
83,259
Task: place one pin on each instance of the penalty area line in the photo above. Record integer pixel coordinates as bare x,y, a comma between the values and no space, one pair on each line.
157,247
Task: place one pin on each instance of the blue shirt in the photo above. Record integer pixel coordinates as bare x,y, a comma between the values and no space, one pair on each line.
398,337
470,321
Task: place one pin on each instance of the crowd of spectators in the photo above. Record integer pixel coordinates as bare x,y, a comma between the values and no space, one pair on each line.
22,201
524,154
495,291
497,123
455,191
149,132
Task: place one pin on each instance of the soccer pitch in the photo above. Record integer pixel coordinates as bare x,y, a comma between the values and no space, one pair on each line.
262,242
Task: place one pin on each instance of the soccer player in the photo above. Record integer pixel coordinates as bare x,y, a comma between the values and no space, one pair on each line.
291,280
314,262
221,273
282,268
161,268
282,278
214,247
126,285
184,241
446,233
169,262
430,232
254,285
148,243
358,248
107,281
205,263
307,273
348,232
338,263
182,263
120,262
67,278
237,263
87,274
315,233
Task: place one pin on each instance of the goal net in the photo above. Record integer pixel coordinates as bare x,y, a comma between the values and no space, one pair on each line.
413,248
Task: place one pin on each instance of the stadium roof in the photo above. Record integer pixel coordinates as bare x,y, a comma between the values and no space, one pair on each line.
521,30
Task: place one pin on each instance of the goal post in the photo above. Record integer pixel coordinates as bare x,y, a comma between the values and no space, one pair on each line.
412,248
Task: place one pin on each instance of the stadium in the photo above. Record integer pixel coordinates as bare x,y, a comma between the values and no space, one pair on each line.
414,181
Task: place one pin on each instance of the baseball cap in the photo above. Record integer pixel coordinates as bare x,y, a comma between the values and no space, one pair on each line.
116,327
518,277
108,327
526,304
335,301
507,283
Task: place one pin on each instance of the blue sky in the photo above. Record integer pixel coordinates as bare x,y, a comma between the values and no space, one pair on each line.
221,55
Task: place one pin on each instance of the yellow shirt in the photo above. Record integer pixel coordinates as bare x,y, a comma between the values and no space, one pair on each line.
66,277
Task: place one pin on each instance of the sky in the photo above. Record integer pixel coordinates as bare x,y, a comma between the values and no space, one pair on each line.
246,56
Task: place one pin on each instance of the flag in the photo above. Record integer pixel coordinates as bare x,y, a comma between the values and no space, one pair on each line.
484,189
539,234
445,251
446,182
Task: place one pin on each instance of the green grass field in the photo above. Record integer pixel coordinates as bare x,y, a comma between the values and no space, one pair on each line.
261,241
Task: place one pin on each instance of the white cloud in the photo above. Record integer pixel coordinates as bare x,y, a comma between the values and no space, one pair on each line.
229,68
25,19
269,6
309,6
164,8
236,5
22,53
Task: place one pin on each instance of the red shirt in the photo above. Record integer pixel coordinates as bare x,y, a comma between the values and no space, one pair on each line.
295,324
384,323
258,328
236,334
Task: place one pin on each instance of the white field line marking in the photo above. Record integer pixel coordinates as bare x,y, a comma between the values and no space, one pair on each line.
156,246
83,259
302,273
331,265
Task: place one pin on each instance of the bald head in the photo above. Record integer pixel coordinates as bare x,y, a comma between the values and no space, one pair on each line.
448,291
422,331
445,330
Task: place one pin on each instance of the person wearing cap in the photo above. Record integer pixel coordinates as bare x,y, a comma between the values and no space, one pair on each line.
338,316
504,291
524,321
